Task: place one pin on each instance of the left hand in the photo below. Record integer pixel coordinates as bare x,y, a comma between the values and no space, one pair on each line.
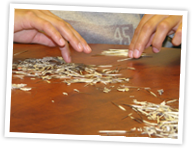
152,30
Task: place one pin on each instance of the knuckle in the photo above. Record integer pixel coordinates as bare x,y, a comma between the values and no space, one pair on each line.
163,25
30,14
147,26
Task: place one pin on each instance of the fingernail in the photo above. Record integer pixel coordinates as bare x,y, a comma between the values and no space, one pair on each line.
80,47
88,49
155,50
62,42
137,53
131,54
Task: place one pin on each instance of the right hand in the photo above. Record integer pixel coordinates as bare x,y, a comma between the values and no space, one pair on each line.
43,27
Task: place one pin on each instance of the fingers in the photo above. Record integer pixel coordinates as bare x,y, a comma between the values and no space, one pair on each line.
43,39
136,33
29,20
86,47
50,30
177,37
150,41
152,30
77,42
137,30
67,32
163,30
145,33
65,51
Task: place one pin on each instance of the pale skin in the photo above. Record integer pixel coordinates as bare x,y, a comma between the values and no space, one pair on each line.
43,27
152,30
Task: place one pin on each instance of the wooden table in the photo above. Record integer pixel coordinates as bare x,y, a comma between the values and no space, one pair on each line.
45,109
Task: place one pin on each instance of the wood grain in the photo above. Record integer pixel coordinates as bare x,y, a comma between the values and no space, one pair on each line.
45,109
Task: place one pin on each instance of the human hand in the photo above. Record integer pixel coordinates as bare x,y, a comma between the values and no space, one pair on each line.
152,30
43,27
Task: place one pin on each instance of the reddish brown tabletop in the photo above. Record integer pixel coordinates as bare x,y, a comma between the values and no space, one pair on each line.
45,109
